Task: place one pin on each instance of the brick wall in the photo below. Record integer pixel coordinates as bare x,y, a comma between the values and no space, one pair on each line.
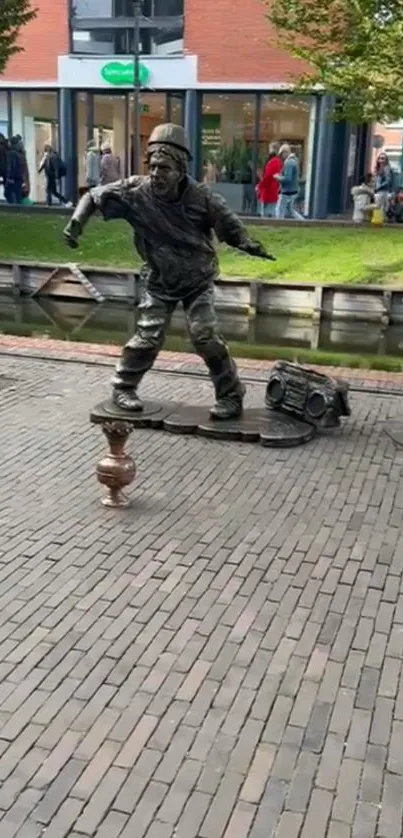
231,37
234,42
43,40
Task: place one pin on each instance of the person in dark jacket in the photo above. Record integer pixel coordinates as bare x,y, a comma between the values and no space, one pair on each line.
289,184
26,185
50,166
14,174
3,158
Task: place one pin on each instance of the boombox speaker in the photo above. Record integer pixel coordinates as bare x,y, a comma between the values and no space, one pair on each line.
307,394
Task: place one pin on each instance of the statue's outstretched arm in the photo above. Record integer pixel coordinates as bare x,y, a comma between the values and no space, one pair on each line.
82,213
94,200
230,229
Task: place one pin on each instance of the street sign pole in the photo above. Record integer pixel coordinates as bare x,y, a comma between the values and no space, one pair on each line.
137,89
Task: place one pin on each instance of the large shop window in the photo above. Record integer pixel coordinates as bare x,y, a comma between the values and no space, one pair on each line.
237,130
228,125
35,118
108,120
288,119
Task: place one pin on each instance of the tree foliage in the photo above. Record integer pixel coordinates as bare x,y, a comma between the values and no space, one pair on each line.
352,48
13,15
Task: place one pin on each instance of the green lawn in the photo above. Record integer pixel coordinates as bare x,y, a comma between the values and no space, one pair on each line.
321,255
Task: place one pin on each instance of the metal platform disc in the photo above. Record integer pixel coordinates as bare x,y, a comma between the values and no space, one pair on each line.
280,431
269,428
152,415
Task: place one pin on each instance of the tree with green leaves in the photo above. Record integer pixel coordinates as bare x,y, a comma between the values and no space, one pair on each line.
14,14
352,49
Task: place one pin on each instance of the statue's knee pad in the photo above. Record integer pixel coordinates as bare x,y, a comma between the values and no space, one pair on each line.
208,342
143,343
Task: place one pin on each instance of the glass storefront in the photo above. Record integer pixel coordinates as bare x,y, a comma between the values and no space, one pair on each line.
110,118
227,137
236,131
35,118
230,143
288,119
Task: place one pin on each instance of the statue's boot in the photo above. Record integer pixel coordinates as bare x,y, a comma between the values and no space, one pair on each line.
127,400
230,406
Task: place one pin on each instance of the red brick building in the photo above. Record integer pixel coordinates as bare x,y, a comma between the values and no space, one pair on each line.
214,66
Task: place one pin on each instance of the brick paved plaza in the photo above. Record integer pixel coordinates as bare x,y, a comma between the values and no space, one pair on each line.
222,660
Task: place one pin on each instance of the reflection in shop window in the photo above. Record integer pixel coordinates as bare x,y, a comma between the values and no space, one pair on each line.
113,122
35,119
288,119
92,8
228,122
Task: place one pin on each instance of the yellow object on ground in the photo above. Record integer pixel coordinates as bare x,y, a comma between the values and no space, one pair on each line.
377,216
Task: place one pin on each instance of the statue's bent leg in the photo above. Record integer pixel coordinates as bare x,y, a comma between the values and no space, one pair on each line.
211,346
141,350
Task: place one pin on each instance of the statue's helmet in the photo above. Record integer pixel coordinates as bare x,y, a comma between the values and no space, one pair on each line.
170,135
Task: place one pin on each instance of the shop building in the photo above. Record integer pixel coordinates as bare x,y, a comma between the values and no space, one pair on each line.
213,67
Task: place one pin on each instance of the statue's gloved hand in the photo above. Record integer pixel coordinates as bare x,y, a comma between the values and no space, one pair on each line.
71,233
256,249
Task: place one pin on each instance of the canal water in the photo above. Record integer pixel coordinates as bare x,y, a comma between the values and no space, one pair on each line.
115,322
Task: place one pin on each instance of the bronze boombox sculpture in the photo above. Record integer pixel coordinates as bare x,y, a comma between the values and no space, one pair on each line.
307,394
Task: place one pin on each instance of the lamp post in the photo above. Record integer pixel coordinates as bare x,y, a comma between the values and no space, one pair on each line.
137,88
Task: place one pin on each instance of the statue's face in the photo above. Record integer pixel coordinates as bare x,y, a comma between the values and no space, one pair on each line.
165,175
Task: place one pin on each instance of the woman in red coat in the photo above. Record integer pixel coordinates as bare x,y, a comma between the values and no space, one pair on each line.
268,188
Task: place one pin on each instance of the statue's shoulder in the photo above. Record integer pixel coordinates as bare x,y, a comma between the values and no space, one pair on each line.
136,182
199,192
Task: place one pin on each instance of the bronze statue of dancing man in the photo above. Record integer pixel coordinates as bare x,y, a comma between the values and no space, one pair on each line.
174,219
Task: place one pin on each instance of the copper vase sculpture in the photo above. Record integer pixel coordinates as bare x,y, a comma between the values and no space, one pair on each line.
117,469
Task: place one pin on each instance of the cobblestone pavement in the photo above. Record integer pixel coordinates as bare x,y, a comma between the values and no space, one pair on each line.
222,660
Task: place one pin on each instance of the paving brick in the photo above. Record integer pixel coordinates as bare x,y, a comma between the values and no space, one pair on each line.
358,735
302,782
64,819
270,809
389,677
315,734
338,830
136,742
330,762
365,821
145,811
56,760
347,791
175,754
58,791
192,816
241,820
390,818
258,774
278,720
112,825
179,792
318,813
222,806
289,825
101,800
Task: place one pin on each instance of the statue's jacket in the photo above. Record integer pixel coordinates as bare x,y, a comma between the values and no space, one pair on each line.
175,239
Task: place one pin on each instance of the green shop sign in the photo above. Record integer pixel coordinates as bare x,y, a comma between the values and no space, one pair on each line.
120,74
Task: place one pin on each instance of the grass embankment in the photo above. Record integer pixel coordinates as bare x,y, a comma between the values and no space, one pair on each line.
304,254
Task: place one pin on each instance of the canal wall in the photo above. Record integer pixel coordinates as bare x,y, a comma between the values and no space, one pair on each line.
368,303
